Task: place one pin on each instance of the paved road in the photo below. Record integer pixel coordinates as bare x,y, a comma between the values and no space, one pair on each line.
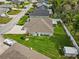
14,21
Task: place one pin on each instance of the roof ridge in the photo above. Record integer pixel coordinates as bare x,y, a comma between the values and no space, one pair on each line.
46,24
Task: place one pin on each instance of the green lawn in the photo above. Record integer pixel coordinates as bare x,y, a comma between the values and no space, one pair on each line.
13,12
23,20
49,46
4,20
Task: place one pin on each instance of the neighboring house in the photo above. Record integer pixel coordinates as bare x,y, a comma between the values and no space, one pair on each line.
39,23
33,1
39,4
2,0
19,1
40,11
6,6
3,11
18,51
41,1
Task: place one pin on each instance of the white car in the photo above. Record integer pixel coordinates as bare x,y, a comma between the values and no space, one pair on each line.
9,42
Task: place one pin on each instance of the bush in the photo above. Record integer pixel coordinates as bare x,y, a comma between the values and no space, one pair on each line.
23,20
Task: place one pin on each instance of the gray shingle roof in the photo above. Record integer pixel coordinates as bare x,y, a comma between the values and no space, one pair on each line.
40,11
39,25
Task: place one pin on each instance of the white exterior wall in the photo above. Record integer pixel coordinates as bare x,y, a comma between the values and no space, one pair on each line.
39,34
31,17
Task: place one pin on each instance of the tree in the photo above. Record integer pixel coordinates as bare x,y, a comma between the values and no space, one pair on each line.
76,24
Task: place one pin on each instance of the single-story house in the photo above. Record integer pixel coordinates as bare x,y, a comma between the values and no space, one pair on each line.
18,51
70,51
48,5
3,11
39,26
39,22
18,1
33,1
39,4
6,6
41,1
40,11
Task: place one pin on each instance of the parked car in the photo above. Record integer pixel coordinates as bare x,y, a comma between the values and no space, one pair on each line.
9,42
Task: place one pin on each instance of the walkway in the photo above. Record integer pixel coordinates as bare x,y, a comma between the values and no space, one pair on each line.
14,21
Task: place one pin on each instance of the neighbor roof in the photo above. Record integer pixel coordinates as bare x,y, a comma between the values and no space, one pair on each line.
6,6
39,25
3,10
18,51
2,0
40,11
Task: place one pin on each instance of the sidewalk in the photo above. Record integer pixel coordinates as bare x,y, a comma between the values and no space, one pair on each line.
16,30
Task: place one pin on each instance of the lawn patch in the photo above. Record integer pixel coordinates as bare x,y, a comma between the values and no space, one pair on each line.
4,20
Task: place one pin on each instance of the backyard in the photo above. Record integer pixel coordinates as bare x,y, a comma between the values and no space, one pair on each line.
13,12
4,20
49,46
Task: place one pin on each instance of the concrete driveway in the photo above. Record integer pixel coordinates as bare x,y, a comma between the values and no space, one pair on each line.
16,30
3,48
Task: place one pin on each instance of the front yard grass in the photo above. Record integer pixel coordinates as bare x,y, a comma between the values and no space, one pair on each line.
4,20
23,20
14,12
49,46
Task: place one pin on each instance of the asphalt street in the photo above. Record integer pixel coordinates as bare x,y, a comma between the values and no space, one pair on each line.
14,21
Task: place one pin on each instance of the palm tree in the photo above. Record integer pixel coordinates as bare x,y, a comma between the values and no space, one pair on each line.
76,24
57,7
